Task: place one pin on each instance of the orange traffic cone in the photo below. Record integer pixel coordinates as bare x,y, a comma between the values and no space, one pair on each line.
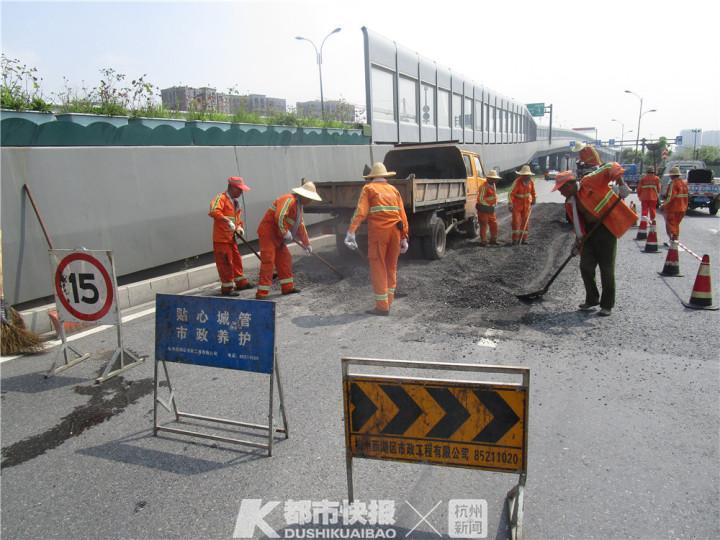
651,246
701,296
642,231
672,261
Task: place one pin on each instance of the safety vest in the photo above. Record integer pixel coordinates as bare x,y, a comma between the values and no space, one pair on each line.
487,196
596,197
223,206
649,188
522,195
382,206
678,199
284,215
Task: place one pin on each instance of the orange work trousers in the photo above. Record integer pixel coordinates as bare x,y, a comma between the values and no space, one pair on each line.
487,221
383,253
229,265
672,224
520,223
648,209
273,254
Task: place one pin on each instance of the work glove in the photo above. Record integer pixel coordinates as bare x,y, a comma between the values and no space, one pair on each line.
510,207
533,202
404,245
576,248
231,224
239,230
308,249
287,237
350,241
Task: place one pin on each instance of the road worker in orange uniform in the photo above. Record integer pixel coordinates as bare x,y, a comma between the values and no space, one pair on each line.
486,202
648,190
282,224
225,211
676,203
388,234
588,157
522,197
587,202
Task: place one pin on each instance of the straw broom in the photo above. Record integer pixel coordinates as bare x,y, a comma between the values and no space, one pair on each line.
14,337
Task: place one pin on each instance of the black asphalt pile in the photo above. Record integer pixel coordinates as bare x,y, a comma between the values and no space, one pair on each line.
470,286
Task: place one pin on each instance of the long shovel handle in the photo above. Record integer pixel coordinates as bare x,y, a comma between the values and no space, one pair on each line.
37,213
318,257
248,245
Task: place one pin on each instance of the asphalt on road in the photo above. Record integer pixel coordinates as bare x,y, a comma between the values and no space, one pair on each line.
623,410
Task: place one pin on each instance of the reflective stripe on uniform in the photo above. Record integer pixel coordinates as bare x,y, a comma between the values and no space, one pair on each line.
604,201
227,284
285,281
374,209
263,287
283,212
240,277
521,195
391,291
381,297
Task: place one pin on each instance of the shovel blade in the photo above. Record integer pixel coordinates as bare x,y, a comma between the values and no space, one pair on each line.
532,296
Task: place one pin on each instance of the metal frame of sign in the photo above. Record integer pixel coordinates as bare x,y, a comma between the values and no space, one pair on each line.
171,406
120,352
516,494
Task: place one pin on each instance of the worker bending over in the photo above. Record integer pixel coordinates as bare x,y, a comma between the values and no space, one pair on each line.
281,224
486,202
522,197
648,190
225,211
589,201
676,204
388,234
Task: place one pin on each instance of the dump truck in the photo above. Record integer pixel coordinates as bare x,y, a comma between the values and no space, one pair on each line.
438,183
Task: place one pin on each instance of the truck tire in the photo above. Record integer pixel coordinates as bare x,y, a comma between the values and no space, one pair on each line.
434,243
714,206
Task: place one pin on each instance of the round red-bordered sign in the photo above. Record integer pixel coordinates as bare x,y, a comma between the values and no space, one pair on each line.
106,278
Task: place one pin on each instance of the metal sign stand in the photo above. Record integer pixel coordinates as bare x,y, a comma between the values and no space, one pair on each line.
171,406
64,348
515,497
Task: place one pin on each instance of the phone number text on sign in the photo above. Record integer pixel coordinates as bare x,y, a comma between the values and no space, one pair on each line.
84,286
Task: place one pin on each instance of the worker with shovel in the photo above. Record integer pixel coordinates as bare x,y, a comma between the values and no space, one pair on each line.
225,211
282,224
388,233
599,217
485,206
522,197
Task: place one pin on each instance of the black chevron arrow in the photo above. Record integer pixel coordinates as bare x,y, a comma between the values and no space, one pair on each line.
455,413
364,407
408,410
504,417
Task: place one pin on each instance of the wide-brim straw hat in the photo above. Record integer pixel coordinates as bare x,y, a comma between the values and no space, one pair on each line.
524,171
563,178
578,146
307,190
494,175
238,182
674,171
379,171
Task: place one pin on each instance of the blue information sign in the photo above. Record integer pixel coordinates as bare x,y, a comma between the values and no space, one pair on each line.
611,142
215,332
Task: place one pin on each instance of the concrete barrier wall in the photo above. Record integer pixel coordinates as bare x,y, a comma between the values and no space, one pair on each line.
149,204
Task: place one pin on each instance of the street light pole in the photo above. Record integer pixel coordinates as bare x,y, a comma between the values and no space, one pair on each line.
695,132
622,136
637,140
318,55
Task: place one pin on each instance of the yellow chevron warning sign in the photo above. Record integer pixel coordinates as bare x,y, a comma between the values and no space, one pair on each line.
460,424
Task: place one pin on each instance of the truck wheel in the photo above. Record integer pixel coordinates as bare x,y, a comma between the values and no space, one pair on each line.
434,243
714,206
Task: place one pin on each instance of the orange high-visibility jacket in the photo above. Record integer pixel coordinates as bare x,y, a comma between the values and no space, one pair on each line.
649,188
382,206
487,196
222,206
596,196
522,195
678,199
589,156
282,215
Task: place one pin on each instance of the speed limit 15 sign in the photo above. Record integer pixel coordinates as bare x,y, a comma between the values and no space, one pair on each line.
84,284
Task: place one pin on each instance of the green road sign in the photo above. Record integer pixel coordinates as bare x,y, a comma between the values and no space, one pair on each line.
536,109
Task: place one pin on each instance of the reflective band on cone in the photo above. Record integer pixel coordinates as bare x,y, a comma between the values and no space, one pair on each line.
672,262
642,231
651,246
701,296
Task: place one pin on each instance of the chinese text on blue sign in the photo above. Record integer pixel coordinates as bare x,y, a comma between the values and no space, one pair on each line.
215,332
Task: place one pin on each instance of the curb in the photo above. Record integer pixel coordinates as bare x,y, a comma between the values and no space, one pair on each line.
142,292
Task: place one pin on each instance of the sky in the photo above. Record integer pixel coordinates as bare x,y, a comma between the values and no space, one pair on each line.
578,56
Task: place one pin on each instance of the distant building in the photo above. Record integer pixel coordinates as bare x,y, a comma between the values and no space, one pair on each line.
701,138
341,111
185,98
